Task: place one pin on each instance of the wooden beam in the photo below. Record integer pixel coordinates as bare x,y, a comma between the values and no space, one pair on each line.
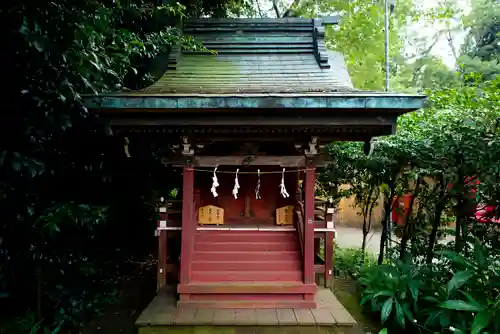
170,135
309,187
254,288
284,161
213,161
245,121
188,225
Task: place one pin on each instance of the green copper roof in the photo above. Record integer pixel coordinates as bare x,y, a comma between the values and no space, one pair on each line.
255,56
260,64
355,100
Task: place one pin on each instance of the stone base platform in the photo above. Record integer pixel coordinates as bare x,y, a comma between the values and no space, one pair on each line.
162,316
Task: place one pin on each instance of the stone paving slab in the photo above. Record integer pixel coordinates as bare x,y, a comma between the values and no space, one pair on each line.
162,311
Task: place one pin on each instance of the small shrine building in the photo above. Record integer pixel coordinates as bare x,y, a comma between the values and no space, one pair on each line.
248,126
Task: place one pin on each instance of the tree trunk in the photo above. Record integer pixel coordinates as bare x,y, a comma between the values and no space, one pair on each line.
388,207
436,222
407,226
366,227
363,244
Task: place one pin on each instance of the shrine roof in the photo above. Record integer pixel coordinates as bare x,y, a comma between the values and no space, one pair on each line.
258,63
254,56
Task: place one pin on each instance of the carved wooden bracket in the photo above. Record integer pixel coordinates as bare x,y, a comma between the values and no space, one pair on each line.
187,150
313,148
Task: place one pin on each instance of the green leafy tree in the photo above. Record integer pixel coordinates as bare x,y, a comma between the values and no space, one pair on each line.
481,51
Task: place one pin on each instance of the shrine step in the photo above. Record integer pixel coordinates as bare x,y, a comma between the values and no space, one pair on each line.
244,296
244,236
248,288
246,246
245,265
246,276
247,304
201,256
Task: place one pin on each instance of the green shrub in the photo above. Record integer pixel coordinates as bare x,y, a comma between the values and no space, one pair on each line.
351,262
457,292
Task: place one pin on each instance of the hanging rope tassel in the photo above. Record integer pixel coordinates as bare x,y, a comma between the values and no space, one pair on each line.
236,185
257,189
215,184
283,191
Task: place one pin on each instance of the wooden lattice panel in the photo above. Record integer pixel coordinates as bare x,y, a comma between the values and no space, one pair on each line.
210,215
284,215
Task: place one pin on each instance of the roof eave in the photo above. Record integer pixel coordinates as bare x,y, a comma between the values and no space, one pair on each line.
351,100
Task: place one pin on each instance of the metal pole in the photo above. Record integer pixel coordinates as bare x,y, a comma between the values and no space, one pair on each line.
386,45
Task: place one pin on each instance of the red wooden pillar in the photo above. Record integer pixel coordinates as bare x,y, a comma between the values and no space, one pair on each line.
188,225
309,185
162,249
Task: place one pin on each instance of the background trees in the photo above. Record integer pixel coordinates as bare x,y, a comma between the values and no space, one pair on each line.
70,203
68,196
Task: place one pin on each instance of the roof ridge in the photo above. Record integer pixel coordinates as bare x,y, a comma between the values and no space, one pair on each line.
253,36
254,56
319,44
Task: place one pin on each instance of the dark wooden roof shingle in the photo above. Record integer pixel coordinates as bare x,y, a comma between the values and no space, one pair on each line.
255,56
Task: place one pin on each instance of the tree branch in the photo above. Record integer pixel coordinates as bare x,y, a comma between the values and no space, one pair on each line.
291,10
449,37
258,8
276,9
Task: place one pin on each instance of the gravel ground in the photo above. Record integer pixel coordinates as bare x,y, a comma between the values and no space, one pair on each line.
353,237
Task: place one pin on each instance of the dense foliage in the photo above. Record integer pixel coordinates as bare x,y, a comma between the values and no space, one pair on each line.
74,210
70,201
447,158
481,51
458,292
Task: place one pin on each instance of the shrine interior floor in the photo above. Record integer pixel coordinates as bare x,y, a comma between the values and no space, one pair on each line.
246,227
163,312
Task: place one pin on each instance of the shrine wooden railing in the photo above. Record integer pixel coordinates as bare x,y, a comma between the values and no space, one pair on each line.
324,230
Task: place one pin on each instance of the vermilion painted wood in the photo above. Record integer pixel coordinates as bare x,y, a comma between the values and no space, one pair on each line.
244,297
328,257
249,256
246,276
233,207
244,265
248,304
236,267
309,195
248,288
244,236
188,225
309,296
245,246
197,196
263,208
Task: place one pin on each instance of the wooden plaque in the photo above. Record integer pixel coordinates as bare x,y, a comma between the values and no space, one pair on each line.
210,215
284,215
